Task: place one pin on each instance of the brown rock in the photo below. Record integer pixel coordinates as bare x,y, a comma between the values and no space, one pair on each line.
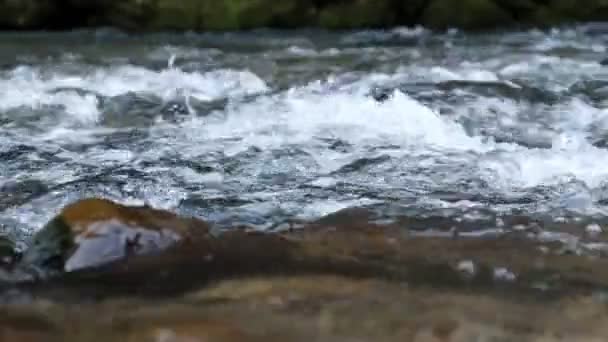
81,215
92,232
203,330
339,279
23,326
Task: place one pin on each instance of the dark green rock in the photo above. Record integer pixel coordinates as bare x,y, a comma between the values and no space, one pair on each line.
574,10
409,12
465,14
248,14
177,15
358,14
544,16
26,14
206,15
518,7
130,14
18,192
7,248
50,247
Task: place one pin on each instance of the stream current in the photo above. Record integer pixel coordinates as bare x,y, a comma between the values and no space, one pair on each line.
484,133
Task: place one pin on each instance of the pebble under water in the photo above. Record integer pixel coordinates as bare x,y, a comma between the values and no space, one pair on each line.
483,133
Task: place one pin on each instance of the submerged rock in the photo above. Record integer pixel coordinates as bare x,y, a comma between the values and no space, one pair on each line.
93,232
7,251
18,192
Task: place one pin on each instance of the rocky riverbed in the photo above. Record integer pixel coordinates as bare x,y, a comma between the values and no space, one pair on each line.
337,279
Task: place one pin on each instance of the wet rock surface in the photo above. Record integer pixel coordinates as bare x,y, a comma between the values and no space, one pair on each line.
248,14
8,252
337,279
92,232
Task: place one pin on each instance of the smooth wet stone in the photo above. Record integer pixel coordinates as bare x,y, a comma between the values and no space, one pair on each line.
7,251
93,232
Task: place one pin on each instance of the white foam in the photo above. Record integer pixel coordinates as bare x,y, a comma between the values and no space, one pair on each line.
302,114
562,71
409,32
191,176
167,82
305,118
324,182
509,166
575,116
322,208
32,87
301,51
533,167
26,87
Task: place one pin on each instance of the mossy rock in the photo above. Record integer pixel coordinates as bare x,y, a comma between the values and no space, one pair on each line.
128,14
575,10
465,14
176,15
411,11
26,14
7,248
92,232
516,7
249,14
50,247
358,14
544,16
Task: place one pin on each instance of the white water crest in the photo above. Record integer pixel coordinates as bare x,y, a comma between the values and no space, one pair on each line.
293,126
33,87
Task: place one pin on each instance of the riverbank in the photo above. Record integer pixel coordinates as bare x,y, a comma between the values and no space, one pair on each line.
336,279
205,15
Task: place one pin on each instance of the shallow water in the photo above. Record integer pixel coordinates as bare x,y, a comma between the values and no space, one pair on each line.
436,131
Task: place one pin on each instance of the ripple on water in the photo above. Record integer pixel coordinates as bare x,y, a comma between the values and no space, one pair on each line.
432,128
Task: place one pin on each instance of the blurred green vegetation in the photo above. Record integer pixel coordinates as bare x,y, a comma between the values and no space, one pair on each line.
204,15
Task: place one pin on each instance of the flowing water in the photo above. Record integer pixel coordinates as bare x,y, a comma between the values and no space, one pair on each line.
479,132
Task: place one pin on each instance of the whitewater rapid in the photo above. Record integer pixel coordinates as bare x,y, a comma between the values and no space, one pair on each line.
237,129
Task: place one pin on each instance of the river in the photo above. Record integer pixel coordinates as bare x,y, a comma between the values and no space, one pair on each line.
482,133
